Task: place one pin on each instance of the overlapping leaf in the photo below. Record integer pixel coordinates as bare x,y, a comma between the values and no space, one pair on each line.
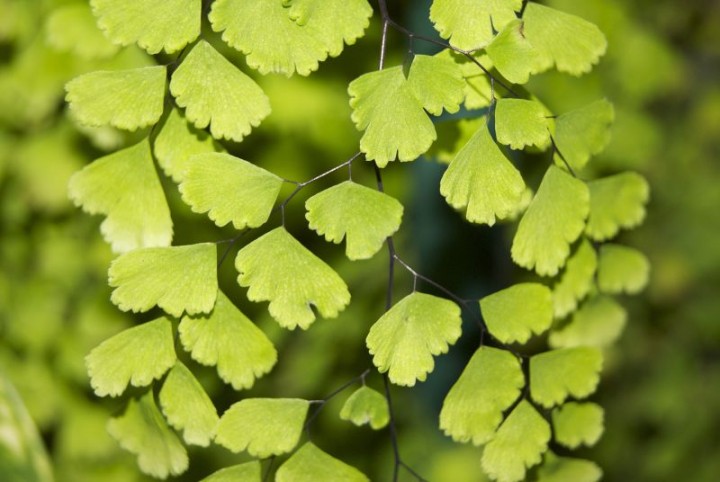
520,123
72,28
177,279
558,374
616,202
584,132
576,281
622,269
565,469
229,101
405,339
366,406
277,268
247,472
599,322
310,464
470,25
512,54
576,424
515,313
125,187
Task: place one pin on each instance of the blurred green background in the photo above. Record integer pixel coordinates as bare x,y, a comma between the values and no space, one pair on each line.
661,385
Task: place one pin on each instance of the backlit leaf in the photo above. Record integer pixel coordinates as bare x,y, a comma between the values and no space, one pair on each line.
521,123
127,99
310,464
558,374
136,356
277,268
598,322
168,25
515,313
622,269
364,216
565,469
228,339
262,426
554,220
405,339
366,406
576,424
247,472
616,202
229,189
584,132
143,431
72,28
518,444
177,279
512,54
576,281
474,407
469,24
229,101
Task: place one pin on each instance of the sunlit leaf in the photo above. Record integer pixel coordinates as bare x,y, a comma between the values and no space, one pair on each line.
622,269
598,322
616,202
277,268
366,406
469,24
72,28
512,54
576,424
576,281
515,313
310,464
521,123
405,339
565,469
584,132
177,279
247,472
558,374
262,426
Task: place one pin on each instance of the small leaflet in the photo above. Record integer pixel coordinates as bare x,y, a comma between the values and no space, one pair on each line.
72,28
616,202
583,133
576,424
366,406
520,123
247,472
515,313
310,464
405,339
512,54
470,25
599,322
142,430
565,469
262,426
277,268
177,279
567,372
576,281
622,270
135,356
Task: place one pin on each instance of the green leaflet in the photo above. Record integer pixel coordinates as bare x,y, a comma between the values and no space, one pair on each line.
366,406
365,216
520,123
247,472
477,91
262,426
310,464
599,322
576,281
187,407
228,339
473,408
391,108
558,374
518,444
137,356
229,101
405,339
124,186
576,424
512,54
168,25
178,141
277,268
452,136
570,43
565,469
554,220
469,24
72,28
143,431
126,99
584,132
481,180
515,313
178,279
622,269
616,202
229,189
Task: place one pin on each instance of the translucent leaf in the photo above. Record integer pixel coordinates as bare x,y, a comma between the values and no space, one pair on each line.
126,99
469,24
477,91
481,180
520,123
310,464
518,445
564,469
142,430
599,322
229,189
570,43
576,281
262,426
187,407
512,54
474,407
137,356
228,339
229,101
622,269
558,374
247,472
364,216
616,202
389,107
168,25
366,406
405,339
178,279
584,132
553,221
72,28
277,268
576,424
124,186
178,141
515,313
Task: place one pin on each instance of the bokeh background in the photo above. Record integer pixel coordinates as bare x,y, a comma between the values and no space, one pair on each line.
661,385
